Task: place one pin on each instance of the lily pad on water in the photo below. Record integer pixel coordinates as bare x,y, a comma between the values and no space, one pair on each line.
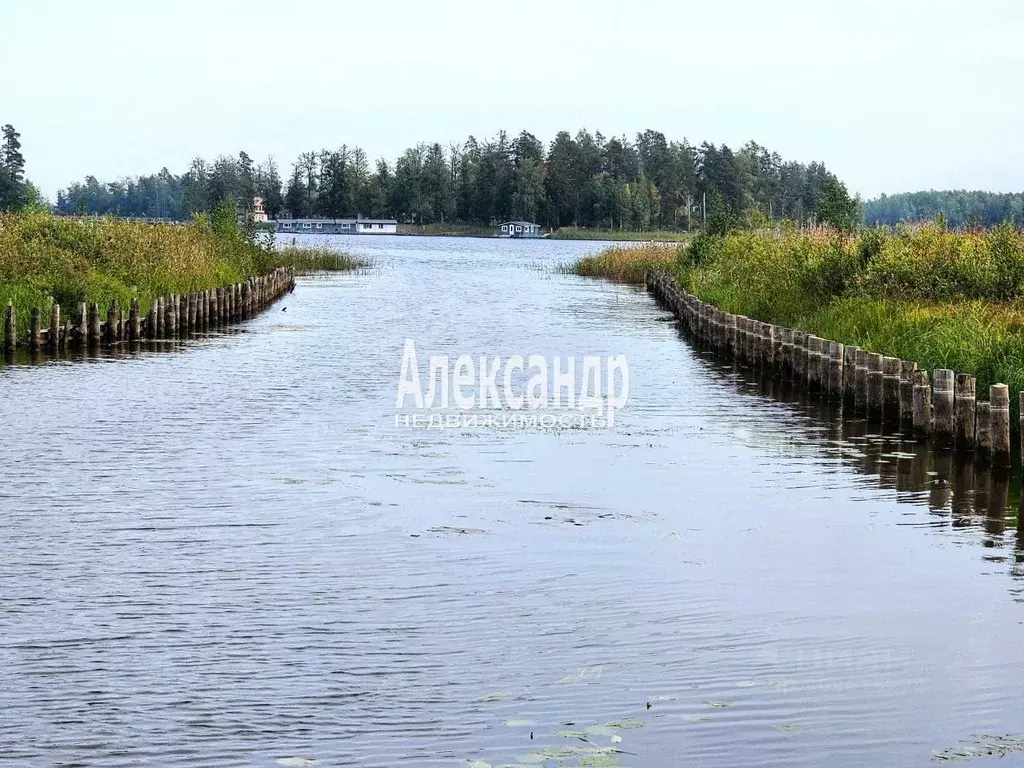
719,704
478,764
572,735
513,723
624,725
297,762
981,745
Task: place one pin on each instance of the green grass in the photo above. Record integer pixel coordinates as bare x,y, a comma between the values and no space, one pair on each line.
627,264
583,233
941,299
45,259
309,260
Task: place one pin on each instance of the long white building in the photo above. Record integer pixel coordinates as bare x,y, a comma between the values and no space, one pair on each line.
338,226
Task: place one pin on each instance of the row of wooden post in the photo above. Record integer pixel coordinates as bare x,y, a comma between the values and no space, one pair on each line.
169,317
884,389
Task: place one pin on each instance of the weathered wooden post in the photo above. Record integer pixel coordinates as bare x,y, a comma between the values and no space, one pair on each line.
999,424
963,412
151,321
922,404
836,357
860,383
799,359
134,329
110,331
775,333
825,367
907,371
170,304
849,373
812,379
54,340
35,330
10,328
875,381
787,355
942,407
891,390
158,308
83,324
982,433
94,324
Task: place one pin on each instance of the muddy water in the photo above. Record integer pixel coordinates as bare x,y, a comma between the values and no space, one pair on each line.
231,555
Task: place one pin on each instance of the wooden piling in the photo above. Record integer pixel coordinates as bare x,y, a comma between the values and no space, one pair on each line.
53,342
83,325
942,408
151,321
875,387
787,354
836,357
94,324
110,331
922,404
982,433
170,310
907,371
860,383
891,411
964,412
813,377
134,323
849,372
35,331
999,424
799,359
775,332
10,328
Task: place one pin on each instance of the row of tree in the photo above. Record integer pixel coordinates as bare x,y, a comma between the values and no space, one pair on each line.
577,180
960,208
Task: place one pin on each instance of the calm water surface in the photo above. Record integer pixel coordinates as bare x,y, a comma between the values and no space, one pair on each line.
231,555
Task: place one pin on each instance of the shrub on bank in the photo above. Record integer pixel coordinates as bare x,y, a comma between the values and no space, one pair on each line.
46,259
943,299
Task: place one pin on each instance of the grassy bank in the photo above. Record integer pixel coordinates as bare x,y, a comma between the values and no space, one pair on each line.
942,299
44,259
653,236
627,264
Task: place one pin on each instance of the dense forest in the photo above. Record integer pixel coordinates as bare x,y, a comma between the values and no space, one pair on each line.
960,208
583,180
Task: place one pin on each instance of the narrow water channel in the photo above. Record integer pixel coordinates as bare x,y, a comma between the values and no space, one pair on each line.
232,555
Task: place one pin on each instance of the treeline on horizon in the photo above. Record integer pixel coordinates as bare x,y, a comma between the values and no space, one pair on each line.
585,180
959,208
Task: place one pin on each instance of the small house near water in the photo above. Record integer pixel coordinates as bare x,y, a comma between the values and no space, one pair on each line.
519,229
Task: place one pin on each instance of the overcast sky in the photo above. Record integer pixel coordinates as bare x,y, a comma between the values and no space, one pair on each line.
892,95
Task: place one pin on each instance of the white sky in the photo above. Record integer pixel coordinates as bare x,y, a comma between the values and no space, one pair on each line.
892,95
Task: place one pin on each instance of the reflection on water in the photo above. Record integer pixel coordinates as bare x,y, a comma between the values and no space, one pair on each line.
231,555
